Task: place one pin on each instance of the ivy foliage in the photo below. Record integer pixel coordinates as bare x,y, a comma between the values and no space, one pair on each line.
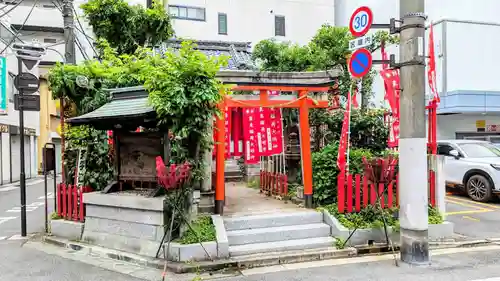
325,171
181,83
327,49
127,27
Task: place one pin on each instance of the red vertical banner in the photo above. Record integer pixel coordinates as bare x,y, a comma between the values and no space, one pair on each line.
275,131
431,68
262,135
236,131
392,87
227,129
250,135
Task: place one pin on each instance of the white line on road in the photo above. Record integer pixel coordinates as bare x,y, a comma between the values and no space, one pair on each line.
50,195
5,219
3,238
488,279
16,185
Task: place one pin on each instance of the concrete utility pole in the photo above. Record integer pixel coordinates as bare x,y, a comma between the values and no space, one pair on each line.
413,142
70,58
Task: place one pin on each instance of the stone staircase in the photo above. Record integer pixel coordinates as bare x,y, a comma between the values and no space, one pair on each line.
232,172
277,232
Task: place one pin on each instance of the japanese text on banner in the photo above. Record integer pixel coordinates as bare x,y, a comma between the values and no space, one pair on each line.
227,135
275,132
250,125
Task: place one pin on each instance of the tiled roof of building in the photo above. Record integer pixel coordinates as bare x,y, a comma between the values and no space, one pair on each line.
238,52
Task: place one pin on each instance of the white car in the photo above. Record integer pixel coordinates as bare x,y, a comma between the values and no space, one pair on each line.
472,165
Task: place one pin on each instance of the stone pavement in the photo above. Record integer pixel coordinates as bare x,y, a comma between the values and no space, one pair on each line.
242,200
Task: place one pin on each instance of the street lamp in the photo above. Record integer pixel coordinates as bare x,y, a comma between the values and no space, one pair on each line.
27,83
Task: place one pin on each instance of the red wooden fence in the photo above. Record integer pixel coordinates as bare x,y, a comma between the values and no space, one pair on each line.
273,183
357,191
70,201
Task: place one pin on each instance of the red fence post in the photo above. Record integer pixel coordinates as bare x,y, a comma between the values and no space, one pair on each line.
58,196
75,203
340,193
373,195
381,194
366,193
80,214
390,194
64,199
349,193
358,193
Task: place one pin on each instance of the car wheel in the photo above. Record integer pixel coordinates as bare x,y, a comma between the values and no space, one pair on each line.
479,188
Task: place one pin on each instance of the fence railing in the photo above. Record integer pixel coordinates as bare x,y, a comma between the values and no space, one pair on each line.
70,204
273,183
356,192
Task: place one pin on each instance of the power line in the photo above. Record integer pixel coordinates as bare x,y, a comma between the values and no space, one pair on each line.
22,26
11,9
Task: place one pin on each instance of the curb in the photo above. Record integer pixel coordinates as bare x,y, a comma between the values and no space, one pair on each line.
238,263
252,261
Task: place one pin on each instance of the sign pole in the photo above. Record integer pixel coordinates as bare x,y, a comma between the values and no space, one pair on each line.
22,180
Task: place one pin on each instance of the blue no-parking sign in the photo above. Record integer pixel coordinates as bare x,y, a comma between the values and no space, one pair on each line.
360,63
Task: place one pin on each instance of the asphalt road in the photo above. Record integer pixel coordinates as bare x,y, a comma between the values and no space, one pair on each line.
473,219
10,211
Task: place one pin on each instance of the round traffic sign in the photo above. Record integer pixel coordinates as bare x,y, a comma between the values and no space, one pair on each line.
361,21
360,63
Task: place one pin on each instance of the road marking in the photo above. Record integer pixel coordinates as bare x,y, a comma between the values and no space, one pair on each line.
50,195
466,204
29,208
19,237
3,238
6,219
470,212
470,218
474,202
488,279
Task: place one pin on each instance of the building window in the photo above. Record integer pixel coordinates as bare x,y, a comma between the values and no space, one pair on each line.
222,24
187,13
49,40
279,25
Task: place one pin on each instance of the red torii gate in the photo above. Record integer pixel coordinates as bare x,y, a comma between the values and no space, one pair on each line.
303,83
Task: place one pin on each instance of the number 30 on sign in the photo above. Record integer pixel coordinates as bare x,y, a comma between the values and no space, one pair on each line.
361,21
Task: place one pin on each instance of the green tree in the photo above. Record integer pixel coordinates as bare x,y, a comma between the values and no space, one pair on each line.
127,27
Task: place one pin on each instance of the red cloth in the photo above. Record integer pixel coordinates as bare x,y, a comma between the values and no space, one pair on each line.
431,68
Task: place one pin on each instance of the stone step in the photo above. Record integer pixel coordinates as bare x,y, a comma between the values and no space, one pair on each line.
288,245
273,220
281,233
206,209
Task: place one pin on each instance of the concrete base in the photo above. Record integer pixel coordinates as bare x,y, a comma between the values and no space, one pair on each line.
414,246
362,236
124,222
66,229
192,252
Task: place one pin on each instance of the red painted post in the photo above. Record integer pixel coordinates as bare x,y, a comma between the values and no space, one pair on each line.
58,194
358,193
285,184
80,213
390,195
366,193
75,203
64,199
260,180
373,195
349,193
432,188
341,193
70,202
381,194
397,190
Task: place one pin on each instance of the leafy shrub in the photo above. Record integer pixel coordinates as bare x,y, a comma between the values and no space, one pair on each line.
201,230
325,171
373,217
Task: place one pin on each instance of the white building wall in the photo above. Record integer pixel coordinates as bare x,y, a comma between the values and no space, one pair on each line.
252,21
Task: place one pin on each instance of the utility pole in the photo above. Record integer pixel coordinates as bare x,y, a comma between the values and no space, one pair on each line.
69,55
413,142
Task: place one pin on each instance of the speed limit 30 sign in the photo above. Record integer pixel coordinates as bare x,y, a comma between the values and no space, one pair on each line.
361,21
